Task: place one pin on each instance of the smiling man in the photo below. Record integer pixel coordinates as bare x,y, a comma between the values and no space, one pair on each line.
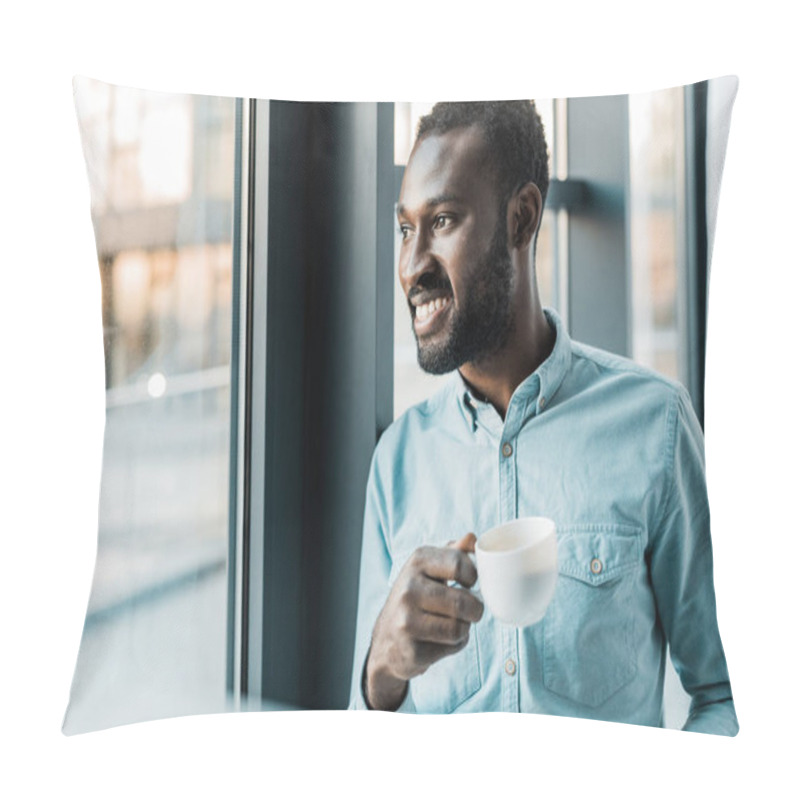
531,424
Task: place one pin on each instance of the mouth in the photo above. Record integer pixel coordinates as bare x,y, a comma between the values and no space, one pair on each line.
429,316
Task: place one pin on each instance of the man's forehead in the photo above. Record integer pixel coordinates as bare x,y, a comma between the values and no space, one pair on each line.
444,166
441,151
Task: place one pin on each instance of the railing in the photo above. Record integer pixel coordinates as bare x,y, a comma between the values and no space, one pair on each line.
159,386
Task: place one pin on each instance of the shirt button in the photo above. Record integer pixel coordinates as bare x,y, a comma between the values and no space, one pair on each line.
596,566
511,667
541,402
507,449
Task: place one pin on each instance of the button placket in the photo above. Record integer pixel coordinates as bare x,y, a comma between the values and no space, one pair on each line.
510,669
508,511
508,469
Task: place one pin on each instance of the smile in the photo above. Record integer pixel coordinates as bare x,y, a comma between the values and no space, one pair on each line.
425,314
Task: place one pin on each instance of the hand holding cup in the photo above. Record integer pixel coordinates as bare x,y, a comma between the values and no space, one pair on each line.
423,620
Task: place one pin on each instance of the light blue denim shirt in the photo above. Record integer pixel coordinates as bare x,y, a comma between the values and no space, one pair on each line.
614,454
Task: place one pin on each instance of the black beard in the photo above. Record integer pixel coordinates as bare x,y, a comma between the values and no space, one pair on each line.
485,322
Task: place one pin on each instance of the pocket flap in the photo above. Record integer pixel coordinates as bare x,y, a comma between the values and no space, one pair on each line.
595,554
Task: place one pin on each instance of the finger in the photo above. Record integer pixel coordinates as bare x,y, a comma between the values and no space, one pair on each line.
445,564
434,629
446,601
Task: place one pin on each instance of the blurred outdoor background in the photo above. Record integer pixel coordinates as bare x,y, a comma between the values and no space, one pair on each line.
161,170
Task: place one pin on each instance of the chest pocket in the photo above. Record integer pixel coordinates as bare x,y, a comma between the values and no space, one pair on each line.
451,681
588,650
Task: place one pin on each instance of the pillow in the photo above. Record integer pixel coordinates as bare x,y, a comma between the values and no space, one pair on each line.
257,349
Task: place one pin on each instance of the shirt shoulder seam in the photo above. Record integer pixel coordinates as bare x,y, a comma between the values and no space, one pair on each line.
619,364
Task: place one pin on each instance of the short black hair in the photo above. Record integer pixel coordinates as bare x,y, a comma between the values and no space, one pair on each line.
514,136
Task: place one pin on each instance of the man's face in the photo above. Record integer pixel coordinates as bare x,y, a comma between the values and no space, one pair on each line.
454,266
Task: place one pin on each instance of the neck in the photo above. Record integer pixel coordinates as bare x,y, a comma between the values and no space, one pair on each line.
495,377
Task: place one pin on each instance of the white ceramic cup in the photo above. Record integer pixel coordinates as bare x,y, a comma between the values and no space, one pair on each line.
517,569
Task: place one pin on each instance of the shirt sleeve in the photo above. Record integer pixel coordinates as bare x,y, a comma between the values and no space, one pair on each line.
373,588
681,571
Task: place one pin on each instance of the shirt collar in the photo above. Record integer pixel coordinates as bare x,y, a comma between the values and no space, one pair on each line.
541,386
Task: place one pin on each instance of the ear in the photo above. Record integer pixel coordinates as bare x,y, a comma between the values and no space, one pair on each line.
526,207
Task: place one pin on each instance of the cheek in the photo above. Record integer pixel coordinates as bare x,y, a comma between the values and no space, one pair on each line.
464,250
457,256
464,273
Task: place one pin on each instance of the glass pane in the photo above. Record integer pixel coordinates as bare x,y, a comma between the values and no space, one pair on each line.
546,275
546,241
656,185
161,174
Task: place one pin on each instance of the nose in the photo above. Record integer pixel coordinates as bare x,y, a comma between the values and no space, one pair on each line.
416,258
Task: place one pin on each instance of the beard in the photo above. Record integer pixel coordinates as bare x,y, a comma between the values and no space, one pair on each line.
484,322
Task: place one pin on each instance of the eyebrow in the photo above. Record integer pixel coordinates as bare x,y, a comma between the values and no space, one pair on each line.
432,203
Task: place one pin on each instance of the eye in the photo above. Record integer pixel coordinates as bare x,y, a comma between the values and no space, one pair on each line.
442,221
404,230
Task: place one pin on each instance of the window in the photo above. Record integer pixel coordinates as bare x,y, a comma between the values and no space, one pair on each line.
161,169
658,268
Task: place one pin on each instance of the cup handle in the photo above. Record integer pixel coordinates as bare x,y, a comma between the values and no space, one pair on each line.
475,588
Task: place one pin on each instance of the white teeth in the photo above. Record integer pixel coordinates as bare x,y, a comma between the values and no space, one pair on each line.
424,311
